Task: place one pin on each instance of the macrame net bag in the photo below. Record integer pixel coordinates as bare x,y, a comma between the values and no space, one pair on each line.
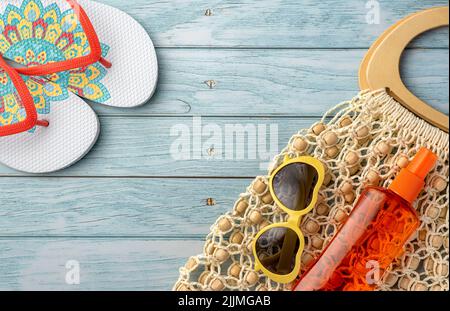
364,141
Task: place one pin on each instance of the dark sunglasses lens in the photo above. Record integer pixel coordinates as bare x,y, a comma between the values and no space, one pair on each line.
294,185
277,249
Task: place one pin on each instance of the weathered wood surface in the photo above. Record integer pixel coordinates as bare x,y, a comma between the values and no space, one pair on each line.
144,147
105,264
117,207
274,24
274,82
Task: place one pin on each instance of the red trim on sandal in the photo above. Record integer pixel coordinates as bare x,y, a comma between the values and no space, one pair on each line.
107,64
83,61
27,102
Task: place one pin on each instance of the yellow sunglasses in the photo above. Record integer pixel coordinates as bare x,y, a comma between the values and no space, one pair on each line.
294,187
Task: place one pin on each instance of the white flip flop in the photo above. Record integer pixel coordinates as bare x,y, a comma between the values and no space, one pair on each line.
43,127
73,43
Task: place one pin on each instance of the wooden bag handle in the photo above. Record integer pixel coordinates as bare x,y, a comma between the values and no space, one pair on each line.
382,63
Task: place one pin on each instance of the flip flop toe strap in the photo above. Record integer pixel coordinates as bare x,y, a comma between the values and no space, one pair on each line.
17,110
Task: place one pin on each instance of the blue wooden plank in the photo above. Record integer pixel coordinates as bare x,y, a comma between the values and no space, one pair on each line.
275,82
169,147
136,146
283,23
114,207
105,264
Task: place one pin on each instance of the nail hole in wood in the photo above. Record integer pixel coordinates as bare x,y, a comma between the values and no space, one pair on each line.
211,84
210,202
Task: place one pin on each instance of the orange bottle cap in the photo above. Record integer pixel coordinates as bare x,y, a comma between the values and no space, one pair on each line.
411,180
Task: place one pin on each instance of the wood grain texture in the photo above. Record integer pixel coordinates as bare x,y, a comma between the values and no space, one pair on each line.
275,82
105,264
277,23
115,207
144,147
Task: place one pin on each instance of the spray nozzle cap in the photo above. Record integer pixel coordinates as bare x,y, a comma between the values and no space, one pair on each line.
411,180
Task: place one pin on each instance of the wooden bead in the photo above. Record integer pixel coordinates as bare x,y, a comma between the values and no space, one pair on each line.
182,288
436,288
439,184
405,282
391,279
307,259
217,285
332,152
318,128
354,169
428,265
419,287
259,187
252,278
221,255
444,211
202,277
241,207
346,187
363,132
383,148
352,158
373,178
210,248
330,139
237,237
347,121
312,227
256,217
300,145
433,212
442,269
362,141
320,198
317,242
340,216
225,225
327,179
349,197
403,161
437,241
322,209
191,264
235,270
413,262
267,198
422,235
264,224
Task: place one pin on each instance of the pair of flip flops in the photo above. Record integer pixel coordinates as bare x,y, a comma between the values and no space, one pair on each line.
54,54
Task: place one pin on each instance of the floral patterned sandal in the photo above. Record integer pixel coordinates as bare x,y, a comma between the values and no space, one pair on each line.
83,46
43,127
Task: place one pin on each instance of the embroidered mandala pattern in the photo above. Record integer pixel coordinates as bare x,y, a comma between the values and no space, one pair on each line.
33,34
11,109
42,91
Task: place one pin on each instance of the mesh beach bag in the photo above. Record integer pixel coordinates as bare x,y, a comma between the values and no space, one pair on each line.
364,141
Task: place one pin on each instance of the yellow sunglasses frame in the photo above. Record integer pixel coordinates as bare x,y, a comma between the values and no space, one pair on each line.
294,219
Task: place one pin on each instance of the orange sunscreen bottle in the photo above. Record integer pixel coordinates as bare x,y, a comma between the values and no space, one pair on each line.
374,235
